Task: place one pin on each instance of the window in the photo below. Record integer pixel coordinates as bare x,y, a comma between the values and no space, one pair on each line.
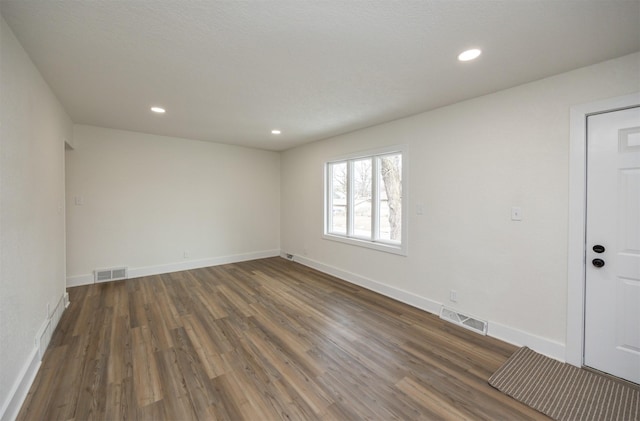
365,200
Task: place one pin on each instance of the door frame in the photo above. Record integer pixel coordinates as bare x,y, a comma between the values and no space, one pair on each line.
576,266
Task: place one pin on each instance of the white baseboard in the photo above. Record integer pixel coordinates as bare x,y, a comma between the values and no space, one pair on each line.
507,334
78,280
517,337
386,290
17,395
201,263
21,387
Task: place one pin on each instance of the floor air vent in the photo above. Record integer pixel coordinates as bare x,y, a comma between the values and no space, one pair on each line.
113,274
466,321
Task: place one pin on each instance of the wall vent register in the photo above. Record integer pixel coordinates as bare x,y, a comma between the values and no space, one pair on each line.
464,320
112,274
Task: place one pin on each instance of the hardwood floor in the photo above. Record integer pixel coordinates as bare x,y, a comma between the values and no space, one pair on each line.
261,340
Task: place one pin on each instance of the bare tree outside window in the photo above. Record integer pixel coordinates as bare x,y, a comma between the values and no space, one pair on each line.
362,198
338,181
391,174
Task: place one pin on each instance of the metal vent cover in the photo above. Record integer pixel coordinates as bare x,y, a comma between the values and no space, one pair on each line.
464,320
111,274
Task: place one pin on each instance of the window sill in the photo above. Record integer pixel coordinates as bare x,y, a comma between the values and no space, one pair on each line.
387,248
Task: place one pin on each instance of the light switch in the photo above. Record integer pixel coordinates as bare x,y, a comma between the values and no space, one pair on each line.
79,200
419,209
516,213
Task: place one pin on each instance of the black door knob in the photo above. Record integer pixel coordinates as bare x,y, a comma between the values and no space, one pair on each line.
598,248
598,263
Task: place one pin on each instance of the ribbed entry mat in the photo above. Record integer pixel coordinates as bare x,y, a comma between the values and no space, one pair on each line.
564,392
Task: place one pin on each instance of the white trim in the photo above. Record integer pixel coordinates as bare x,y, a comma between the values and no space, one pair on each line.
202,263
375,245
20,388
518,337
179,266
11,406
78,280
577,219
508,334
386,290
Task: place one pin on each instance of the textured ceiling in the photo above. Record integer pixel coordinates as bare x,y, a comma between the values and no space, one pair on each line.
230,71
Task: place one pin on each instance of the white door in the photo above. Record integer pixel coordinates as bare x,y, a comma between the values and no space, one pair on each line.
612,306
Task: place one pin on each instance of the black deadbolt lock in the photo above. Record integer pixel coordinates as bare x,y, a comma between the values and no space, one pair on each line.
598,248
598,263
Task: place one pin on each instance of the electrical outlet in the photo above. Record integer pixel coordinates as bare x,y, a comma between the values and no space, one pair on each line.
185,254
453,296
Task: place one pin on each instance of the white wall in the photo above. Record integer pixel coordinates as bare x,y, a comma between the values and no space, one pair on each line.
33,128
149,198
469,163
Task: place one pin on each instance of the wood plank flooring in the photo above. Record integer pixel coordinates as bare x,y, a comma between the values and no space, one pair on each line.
262,340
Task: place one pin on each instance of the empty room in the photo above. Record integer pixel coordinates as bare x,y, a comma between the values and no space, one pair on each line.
320,210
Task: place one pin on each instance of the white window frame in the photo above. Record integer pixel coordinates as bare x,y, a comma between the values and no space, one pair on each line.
376,243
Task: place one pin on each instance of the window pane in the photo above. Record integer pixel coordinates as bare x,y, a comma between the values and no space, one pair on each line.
364,201
390,196
338,191
362,198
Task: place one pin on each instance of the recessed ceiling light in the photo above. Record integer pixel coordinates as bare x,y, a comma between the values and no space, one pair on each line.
158,110
275,131
469,54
